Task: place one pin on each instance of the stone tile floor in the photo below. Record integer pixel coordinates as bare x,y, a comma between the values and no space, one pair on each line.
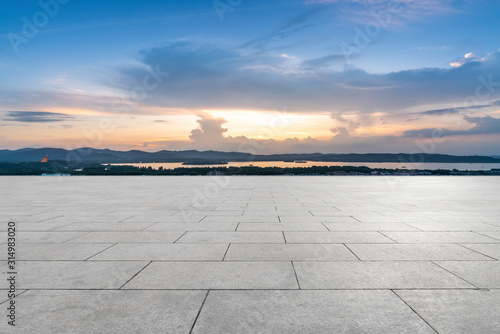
253,254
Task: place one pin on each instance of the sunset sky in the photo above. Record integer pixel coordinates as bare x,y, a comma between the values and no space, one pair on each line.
273,76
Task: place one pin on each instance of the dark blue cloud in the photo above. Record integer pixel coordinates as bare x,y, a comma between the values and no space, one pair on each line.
208,76
35,116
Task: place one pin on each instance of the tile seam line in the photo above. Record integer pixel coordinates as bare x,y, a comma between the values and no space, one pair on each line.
296,277
491,257
114,244
411,308
183,234
487,236
350,250
463,279
199,312
381,233
227,250
68,241
131,278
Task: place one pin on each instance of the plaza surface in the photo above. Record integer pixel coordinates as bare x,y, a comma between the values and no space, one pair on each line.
259,254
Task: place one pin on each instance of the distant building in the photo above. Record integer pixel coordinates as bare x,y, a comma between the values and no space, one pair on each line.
46,159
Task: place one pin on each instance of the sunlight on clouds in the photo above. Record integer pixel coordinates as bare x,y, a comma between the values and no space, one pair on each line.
273,124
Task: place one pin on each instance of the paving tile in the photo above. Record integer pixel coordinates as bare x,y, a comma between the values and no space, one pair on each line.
457,311
314,227
38,227
97,311
192,227
215,275
335,237
374,227
491,234
83,218
74,274
289,252
492,250
332,219
307,312
483,274
46,237
438,237
58,251
375,275
177,218
90,227
163,252
414,252
128,237
221,219
232,237
455,226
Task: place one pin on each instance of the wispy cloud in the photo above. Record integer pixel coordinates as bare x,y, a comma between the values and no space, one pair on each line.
35,116
482,126
405,10
290,28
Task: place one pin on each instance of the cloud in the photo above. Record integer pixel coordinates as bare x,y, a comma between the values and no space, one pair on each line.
210,131
324,62
486,125
405,10
207,76
35,116
468,58
447,111
290,28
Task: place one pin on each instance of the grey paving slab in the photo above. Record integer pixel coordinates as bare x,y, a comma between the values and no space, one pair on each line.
58,251
39,227
374,227
74,274
438,237
414,252
307,312
192,227
215,275
483,274
232,237
46,236
335,237
457,311
128,237
97,311
375,275
90,227
163,252
492,250
448,226
176,218
314,227
491,234
323,219
83,218
289,252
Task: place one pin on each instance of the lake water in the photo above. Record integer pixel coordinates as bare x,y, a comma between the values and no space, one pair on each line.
388,165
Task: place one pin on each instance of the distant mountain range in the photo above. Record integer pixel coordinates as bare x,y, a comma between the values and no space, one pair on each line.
111,156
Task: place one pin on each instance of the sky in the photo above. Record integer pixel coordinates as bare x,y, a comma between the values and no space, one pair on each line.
273,76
